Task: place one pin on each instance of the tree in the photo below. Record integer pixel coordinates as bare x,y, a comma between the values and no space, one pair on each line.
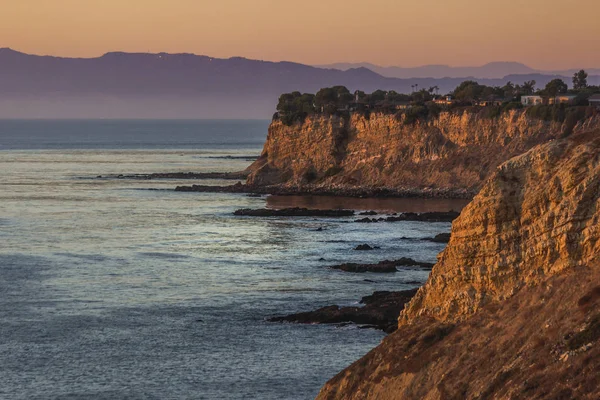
556,87
468,91
377,96
528,87
509,89
295,106
580,80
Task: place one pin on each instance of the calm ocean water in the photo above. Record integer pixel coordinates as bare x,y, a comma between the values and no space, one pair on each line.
111,291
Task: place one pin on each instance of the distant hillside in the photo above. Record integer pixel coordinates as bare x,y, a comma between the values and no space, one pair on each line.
493,70
126,85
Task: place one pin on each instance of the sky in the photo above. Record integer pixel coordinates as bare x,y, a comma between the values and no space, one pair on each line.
544,34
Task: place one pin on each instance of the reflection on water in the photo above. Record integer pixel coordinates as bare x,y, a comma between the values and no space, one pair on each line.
377,204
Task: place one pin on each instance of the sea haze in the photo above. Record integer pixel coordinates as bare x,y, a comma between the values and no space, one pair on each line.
109,290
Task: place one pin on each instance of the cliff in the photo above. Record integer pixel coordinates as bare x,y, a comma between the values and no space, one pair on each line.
512,308
451,154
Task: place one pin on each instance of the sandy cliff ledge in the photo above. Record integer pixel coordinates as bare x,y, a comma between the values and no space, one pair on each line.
452,154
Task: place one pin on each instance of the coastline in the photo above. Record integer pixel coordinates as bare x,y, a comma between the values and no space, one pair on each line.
342,191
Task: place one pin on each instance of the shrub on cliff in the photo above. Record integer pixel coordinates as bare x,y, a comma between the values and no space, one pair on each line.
415,114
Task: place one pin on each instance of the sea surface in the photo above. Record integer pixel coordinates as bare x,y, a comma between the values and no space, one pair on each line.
110,289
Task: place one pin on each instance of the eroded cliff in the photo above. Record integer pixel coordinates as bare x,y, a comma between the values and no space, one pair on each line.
448,155
512,308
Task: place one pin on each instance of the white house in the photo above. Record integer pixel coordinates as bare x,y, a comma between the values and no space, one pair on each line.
532,100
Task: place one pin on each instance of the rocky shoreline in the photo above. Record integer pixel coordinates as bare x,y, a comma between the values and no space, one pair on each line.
380,311
359,192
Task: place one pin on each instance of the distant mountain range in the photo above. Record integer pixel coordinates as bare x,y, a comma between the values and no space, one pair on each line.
493,70
141,85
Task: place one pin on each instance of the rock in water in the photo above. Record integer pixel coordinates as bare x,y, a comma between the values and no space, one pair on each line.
434,216
439,238
365,247
382,266
380,311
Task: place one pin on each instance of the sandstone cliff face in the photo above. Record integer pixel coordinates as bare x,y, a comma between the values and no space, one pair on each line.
454,152
512,308
537,215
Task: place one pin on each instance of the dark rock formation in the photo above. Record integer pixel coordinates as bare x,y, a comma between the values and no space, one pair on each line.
434,216
320,191
293,212
236,188
368,213
380,311
439,238
385,266
365,247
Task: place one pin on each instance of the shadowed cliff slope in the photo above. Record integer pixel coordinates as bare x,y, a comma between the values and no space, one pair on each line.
448,155
512,308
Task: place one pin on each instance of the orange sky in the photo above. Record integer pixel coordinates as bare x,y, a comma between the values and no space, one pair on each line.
546,34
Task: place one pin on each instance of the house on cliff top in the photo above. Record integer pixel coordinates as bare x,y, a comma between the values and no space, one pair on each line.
594,100
532,100
563,99
444,100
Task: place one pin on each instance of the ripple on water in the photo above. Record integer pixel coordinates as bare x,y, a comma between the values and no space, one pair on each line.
120,293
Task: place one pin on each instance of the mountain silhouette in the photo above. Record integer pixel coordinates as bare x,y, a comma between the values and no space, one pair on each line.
143,85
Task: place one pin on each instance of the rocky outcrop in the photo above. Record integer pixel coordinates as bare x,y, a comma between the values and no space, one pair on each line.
385,266
511,309
439,238
448,156
432,216
379,311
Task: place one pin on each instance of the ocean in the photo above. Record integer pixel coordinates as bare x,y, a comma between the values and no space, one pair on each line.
125,289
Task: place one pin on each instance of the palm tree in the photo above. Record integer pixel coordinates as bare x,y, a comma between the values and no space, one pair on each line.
528,87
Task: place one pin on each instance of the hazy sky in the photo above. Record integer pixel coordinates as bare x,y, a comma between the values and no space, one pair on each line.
545,34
